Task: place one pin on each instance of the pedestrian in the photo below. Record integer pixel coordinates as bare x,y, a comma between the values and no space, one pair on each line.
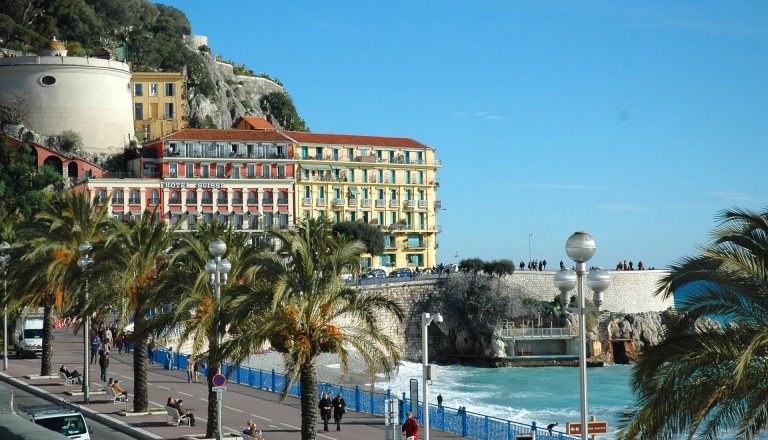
151,350
439,400
95,344
411,427
325,406
104,364
119,343
190,368
169,359
196,369
339,408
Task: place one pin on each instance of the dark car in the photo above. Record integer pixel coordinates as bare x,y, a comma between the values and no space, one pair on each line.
401,272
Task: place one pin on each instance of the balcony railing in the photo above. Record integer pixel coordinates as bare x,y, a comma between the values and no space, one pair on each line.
321,202
253,201
117,201
237,201
267,201
306,201
352,202
339,202
134,201
282,201
191,201
380,203
154,200
207,201
366,203
393,203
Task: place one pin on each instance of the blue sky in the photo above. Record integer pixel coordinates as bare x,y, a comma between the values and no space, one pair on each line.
634,121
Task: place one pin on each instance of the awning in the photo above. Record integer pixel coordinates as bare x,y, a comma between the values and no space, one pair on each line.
207,210
135,211
238,212
223,209
353,190
255,214
193,212
175,212
324,167
308,167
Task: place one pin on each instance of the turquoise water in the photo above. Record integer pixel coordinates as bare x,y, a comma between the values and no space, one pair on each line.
543,394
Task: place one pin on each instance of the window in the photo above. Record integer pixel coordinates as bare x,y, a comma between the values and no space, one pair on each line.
265,171
236,172
191,198
155,197
407,177
253,222
168,110
350,154
135,197
392,176
237,198
173,170
204,170
101,195
192,221
380,218
207,198
138,111
304,152
222,200
175,197
117,197
253,198
251,170
393,194
189,170
152,89
307,194
220,171
118,215
380,176
351,175
138,89
319,153
421,177
170,89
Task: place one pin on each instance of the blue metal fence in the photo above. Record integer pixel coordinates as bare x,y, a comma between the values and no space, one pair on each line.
457,421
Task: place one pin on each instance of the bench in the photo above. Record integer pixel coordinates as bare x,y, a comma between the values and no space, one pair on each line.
114,397
67,380
174,418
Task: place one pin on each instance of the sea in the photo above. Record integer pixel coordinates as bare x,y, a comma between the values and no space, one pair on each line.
526,394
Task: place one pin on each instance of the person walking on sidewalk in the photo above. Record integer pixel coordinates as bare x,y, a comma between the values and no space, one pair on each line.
325,406
95,344
339,408
190,368
411,427
104,364
196,369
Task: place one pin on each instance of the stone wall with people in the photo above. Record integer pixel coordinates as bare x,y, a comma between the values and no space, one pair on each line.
630,292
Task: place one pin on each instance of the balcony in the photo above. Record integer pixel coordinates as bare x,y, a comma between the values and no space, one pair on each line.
438,204
134,201
154,200
380,203
253,201
221,201
423,204
339,202
306,201
117,201
417,245
175,201
409,204
321,202
207,201
352,202
191,201
366,203
393,203
237,201
267,201
282,201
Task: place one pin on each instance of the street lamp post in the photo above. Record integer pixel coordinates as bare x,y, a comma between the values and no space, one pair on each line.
580,247
83,262
5,257
426,319
217,270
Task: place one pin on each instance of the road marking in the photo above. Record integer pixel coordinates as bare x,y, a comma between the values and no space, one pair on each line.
260,417
290,426
204,400
321,435
182,392
162,387
233,409
127,377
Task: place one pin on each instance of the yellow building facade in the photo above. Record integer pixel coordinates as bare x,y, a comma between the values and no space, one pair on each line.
387,182
159,99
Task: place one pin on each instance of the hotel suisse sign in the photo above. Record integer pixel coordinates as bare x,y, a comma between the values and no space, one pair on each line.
193,185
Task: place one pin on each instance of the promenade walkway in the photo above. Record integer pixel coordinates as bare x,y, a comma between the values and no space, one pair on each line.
277,420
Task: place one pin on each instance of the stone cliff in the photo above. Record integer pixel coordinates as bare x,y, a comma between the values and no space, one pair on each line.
236,95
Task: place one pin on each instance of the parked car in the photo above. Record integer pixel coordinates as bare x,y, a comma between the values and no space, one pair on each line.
401,272
374,273
65,419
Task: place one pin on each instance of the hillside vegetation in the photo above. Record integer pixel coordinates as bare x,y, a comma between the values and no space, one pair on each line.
151,37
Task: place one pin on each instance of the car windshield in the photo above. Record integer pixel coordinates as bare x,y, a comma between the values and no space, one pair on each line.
66,425
33,333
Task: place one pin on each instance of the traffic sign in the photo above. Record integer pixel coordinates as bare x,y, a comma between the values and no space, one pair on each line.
218,388
593,428
219,380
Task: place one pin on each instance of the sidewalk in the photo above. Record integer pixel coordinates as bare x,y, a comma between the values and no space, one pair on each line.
277,420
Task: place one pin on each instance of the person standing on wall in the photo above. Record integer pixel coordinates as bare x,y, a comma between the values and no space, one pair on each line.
339,408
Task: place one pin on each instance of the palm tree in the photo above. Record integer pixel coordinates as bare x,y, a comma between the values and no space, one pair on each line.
704,380
196,311
52,279
312,312
139,252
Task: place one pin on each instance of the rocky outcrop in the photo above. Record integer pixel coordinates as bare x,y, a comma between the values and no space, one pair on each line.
236,96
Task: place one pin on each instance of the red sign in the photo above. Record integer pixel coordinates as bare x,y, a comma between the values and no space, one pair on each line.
593,428
219,380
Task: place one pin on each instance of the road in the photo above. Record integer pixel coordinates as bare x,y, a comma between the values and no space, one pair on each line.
100,432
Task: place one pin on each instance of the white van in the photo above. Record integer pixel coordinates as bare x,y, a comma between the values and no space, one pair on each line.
29,335
65,419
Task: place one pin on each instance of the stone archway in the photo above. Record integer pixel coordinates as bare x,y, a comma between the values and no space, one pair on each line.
55,163
623,351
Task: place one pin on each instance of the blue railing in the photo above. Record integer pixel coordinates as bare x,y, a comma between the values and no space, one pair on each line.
453,420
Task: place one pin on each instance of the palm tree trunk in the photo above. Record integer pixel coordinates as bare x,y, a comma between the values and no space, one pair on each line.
309,400
46,357
141,399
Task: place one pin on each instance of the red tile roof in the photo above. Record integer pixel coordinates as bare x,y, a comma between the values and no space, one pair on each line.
215,134
256,123
354,140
